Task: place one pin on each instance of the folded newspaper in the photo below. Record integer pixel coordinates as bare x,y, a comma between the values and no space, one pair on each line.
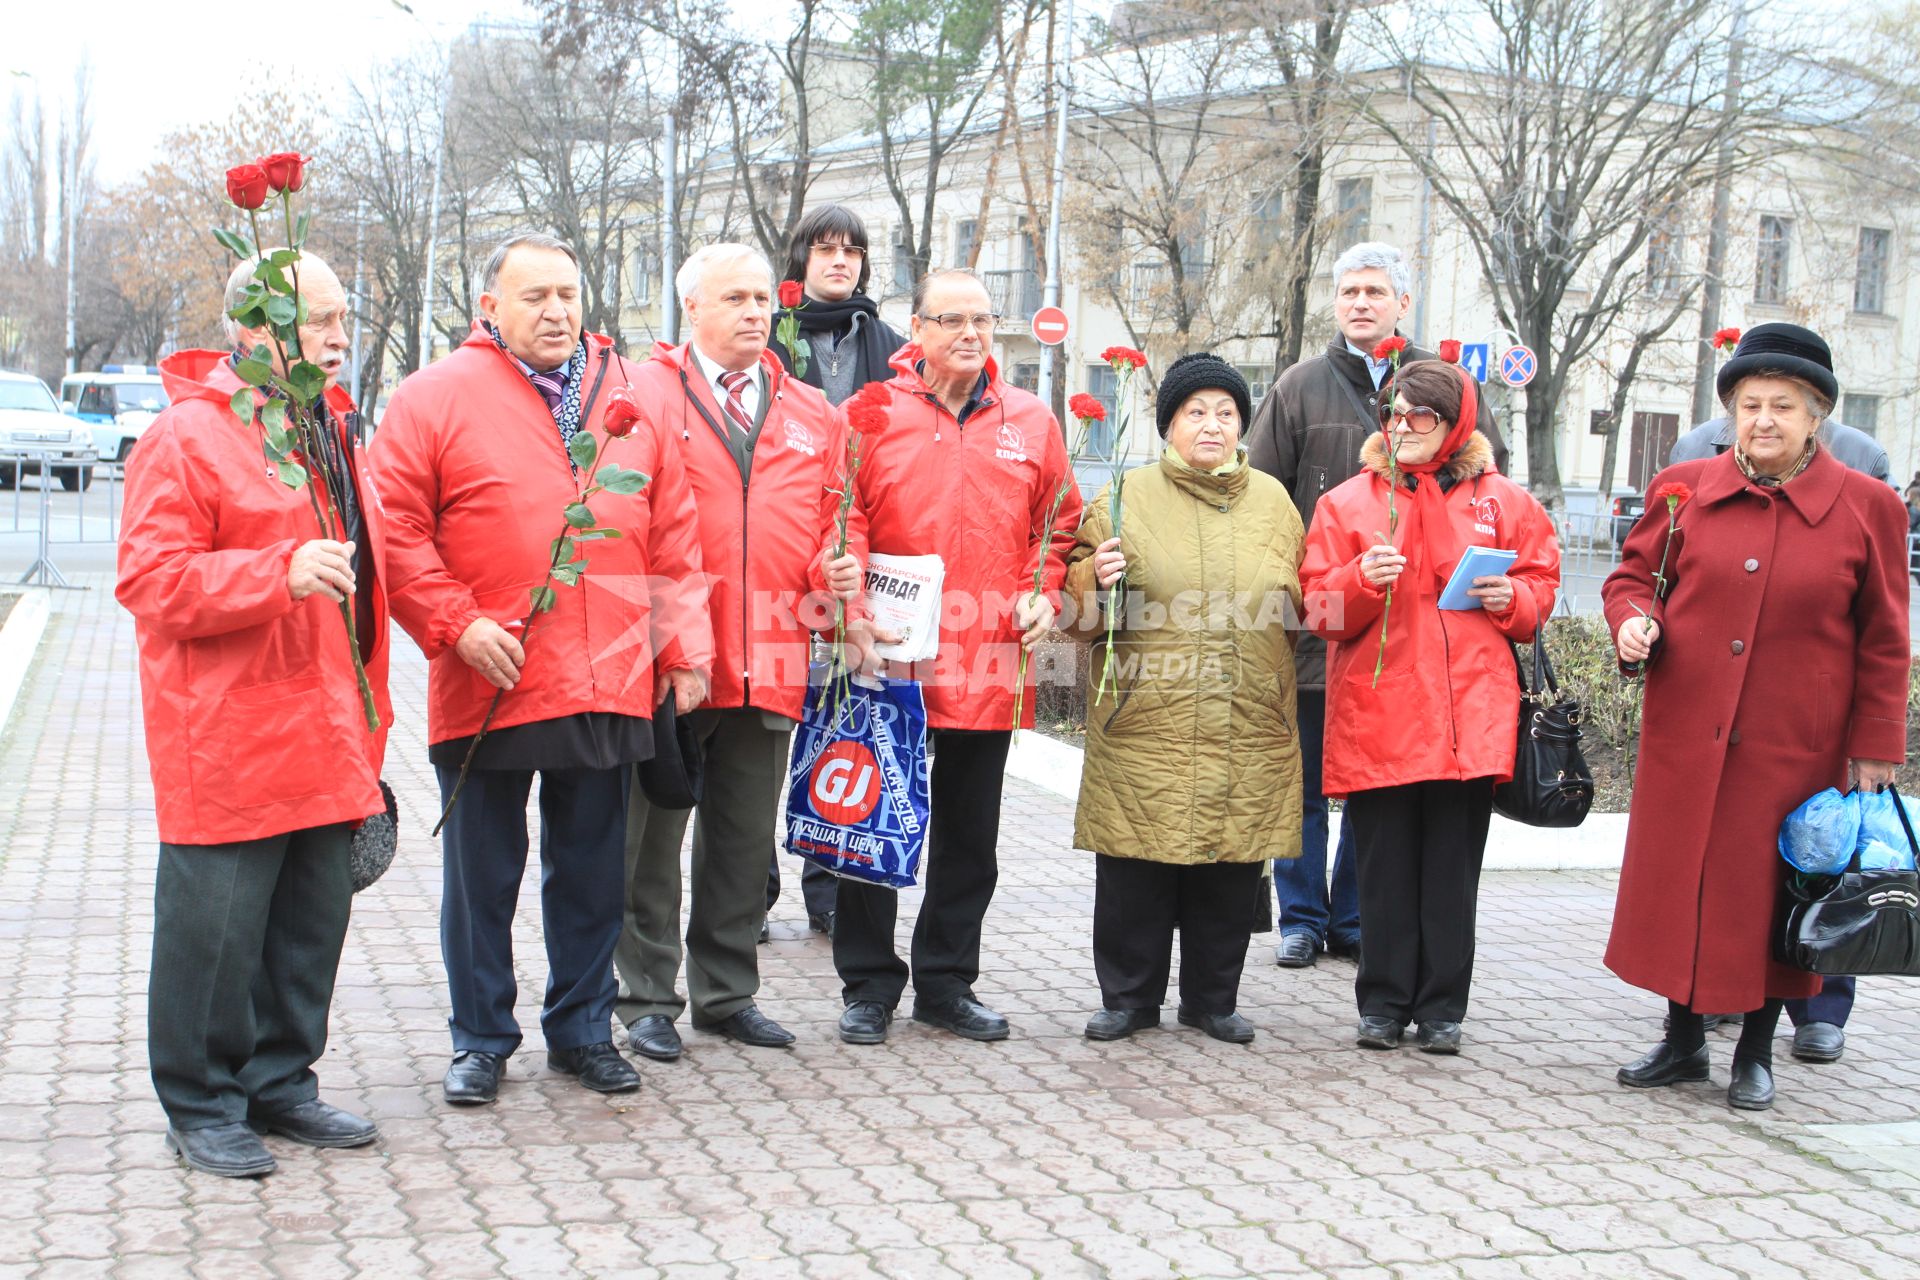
904,594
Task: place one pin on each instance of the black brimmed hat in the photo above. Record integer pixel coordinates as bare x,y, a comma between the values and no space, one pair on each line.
1780,348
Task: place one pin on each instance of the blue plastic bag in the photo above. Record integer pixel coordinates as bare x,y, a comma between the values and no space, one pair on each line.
1819,837
858,789
1880,826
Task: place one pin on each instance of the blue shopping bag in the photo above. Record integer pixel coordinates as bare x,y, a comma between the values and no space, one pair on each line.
858,794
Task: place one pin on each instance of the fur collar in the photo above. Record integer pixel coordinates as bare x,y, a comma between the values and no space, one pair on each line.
1474,458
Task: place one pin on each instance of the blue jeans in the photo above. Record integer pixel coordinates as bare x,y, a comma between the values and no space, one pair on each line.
1833,1004
1300,884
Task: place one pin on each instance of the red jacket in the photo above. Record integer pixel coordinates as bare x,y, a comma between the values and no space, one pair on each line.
476,480
757,536
1448,699
1782,654
253,716
977,496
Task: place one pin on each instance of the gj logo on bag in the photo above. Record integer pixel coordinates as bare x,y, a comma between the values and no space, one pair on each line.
857,795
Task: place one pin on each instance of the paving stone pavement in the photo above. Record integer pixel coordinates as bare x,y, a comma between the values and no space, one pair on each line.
1045,1155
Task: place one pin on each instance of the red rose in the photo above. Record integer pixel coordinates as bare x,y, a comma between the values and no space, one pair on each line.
1390,347
790,294
1673,493
622,414
1086,408
247,185
1450,350
286,170
1725,339
1117,356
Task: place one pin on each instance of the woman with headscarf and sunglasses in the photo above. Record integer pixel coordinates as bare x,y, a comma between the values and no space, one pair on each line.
1422,701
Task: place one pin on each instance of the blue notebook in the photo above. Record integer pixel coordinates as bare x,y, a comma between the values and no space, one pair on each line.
1478,562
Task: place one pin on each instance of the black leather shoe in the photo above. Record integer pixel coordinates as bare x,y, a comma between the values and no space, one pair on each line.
964,1016
1344,949
319,1124
598,1066
750,1026
474,1077
865,1022
1438,1037
1751,1088
1118,1024
226,1150
1230,1027
1662,1066
1296,951
1818,1042
654,1037
1379,1033
766,933
821,922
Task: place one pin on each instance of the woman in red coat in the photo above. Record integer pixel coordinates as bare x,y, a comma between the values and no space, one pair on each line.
1417,746
1775,653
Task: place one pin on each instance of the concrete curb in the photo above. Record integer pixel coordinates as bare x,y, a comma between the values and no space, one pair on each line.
19,641
1598,844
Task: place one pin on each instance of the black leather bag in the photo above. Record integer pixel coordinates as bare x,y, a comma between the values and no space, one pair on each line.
674,777
1858,922
1551,785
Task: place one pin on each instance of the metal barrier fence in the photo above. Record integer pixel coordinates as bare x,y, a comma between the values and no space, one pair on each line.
77,501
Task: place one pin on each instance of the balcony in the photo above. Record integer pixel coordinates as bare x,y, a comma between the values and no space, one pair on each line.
1013,294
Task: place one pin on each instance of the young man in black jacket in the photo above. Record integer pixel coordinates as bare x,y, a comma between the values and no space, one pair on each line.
1307,434
846,345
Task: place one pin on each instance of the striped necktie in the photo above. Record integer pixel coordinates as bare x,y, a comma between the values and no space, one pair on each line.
736,408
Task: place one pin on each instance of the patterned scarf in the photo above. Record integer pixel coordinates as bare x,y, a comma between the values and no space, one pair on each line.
560,388
1747,469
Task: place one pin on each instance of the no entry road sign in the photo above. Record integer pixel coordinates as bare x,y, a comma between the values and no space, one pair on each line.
1050,326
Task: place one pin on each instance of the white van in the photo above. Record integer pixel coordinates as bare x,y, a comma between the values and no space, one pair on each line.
117,403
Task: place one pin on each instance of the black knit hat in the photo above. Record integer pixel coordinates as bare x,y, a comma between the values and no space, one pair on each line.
1780,348
1200,371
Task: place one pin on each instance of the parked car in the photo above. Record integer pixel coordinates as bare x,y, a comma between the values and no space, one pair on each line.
31,423
117,403
1626,510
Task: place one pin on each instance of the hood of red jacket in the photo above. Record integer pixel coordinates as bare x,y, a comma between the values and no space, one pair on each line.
906,362
199,374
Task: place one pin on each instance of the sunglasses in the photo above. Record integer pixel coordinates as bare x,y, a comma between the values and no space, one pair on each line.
1419,419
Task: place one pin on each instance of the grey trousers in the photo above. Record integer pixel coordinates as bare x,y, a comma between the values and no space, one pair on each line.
733,827
246,942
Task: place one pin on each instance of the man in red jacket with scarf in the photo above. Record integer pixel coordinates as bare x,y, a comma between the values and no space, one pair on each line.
761,448
967,469
473,462
262,759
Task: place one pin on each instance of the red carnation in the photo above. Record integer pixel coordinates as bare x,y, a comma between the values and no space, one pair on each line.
247,185
1673,493
1450,350
1117,356
285,170
790,293
868,410
1086,408
622,414
1725,339
1389,348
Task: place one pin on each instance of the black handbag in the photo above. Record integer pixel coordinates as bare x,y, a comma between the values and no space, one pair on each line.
1858,922
673,779
1551,785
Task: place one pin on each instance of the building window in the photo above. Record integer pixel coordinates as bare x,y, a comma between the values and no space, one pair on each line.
1770,273
902,260
1862,413
1870,271
1102,385
1269,227
966,234
1259,378
1664,248
642,266
1352,211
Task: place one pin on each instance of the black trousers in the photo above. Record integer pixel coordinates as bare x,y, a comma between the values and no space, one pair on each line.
818,886
246,942
583,833
1419,848
959,871
1136,907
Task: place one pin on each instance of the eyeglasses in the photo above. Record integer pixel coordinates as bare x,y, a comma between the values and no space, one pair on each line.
824,249
1419,419
954,321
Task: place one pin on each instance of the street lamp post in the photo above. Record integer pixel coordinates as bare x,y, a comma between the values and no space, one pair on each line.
1051,297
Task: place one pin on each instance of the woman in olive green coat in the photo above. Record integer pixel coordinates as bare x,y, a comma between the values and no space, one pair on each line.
1191,781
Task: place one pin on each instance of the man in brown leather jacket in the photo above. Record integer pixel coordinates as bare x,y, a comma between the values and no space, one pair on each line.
1307,434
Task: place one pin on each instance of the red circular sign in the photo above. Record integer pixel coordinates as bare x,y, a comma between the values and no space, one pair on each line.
1050,326
845,783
